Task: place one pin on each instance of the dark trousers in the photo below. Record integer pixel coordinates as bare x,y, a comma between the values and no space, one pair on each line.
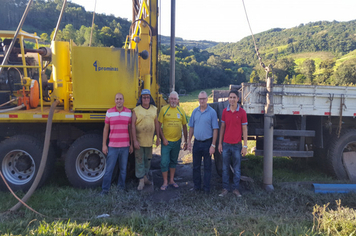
201,149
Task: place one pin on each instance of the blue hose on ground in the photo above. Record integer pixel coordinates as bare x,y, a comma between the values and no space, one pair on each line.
334,188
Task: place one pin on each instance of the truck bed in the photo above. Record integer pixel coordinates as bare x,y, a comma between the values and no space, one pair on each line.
60,115
293,99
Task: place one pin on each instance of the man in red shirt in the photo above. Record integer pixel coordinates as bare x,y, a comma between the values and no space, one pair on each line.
233,125
118,121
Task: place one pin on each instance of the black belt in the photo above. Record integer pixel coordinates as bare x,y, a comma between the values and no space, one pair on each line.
203,141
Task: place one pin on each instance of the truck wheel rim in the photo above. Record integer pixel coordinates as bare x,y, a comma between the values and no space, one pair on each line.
90,165
18,167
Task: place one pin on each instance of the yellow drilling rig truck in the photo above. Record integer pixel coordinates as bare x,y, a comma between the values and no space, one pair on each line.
84,80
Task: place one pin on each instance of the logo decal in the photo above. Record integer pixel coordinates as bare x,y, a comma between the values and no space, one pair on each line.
103,68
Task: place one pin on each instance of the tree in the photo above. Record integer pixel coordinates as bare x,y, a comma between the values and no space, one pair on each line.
254,78
308,69
44,37
346,73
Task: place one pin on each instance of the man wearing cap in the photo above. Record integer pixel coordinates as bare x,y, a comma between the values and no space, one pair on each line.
233,125
172,117
204,126
144,125
118,122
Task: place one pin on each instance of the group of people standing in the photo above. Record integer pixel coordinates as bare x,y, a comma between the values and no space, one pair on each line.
129,131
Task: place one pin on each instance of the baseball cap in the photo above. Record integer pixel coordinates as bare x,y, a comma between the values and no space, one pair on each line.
145,91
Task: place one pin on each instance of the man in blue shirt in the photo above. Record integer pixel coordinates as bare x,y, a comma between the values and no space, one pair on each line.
204,126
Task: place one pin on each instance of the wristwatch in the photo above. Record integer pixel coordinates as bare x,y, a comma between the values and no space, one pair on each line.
245,147
213,145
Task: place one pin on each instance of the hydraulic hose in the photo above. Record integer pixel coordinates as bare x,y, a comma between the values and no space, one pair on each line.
43,159
13,109
12,100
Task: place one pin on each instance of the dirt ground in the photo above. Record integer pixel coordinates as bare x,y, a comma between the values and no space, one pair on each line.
183,177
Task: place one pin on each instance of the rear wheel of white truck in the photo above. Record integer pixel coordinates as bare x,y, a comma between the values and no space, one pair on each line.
338,149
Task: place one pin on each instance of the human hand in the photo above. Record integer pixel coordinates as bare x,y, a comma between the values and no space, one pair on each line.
136,144
220,148
184,146
165,142
243,151
211,150
190,146
105,149
131,149
157,142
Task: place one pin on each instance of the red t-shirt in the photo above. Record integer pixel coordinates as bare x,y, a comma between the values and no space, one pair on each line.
233,124
119,123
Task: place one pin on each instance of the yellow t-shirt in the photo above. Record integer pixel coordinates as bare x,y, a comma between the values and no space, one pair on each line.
145,125
172,119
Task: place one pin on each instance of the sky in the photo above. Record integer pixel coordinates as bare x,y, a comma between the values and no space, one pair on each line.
225,20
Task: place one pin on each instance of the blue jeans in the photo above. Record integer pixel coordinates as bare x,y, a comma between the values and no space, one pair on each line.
201,149
122,154
231,155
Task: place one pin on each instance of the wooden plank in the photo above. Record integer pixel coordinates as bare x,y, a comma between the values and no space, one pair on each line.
286,132
349,159
287,153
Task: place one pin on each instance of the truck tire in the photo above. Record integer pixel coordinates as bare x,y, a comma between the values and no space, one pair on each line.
85,163
334,161
20,158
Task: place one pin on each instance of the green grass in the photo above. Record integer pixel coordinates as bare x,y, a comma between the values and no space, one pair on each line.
291,209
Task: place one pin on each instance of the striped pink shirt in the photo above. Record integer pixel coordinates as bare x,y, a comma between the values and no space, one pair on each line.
119,127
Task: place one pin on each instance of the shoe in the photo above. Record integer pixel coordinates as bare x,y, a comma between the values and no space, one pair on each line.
141,184
147,182
237,193
164,187
103,193
223,193
174,185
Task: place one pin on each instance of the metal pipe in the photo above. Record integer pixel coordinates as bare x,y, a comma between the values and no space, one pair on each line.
173,56
268,137
19,27
59,20
92,25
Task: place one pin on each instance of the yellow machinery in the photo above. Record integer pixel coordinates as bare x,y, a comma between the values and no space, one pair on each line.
84,80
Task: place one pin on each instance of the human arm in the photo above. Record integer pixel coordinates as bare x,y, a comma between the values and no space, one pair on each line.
131,140
191,132
222,132
133,128
212,147
185,134
157,131
105,138
164,140
244,135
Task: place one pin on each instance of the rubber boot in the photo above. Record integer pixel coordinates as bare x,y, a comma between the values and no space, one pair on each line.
147,182
141,184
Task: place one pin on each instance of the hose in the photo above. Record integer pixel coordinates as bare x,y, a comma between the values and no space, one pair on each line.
43,159
13,109
12,100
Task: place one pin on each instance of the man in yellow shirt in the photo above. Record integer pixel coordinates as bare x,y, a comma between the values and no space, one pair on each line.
173,119
144,124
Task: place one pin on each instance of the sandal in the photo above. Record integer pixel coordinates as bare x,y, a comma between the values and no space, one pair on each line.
174,185
164,187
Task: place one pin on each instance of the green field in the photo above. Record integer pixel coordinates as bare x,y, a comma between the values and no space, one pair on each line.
291,209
